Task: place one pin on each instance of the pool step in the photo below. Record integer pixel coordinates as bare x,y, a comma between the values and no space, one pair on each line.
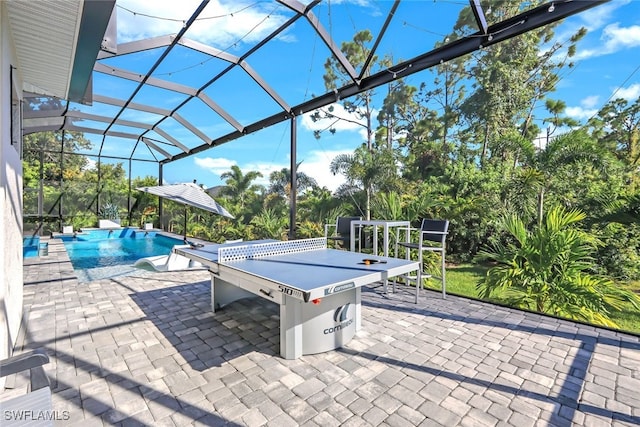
43,249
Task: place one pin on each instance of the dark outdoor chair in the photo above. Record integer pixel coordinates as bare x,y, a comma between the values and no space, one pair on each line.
340,232
432,238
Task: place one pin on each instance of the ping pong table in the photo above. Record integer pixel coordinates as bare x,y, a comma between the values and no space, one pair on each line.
318,289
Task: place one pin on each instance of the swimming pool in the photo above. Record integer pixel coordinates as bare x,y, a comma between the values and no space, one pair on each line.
31,247
105,248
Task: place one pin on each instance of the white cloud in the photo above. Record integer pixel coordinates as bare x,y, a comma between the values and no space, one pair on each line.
617,38
590,101
614,38
630,93
315,164
592,19
220,24
91,164
598,16
215,165
265,169
586,109
580,113
219,165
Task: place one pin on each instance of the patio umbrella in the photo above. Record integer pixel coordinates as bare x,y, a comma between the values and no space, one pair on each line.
188,194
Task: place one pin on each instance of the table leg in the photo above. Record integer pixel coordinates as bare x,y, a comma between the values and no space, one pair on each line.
358,308
223,293
385,252
290,328
375,240
213,294
385,240
352,238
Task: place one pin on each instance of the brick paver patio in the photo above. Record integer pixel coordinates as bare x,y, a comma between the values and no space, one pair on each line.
146,349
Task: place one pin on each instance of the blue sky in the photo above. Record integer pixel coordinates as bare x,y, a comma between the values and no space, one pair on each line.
607,65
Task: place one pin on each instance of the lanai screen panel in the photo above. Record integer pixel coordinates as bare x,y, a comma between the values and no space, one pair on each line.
176,70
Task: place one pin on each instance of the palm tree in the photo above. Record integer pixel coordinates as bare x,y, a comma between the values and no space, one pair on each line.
238,185
281,182
547,270
367,170
269,224
540,167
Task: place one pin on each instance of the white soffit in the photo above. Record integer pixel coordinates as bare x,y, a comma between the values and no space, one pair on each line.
45,33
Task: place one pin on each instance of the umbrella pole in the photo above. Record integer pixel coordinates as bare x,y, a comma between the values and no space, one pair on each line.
185,222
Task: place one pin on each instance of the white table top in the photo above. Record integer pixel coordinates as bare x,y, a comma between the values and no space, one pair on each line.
383,222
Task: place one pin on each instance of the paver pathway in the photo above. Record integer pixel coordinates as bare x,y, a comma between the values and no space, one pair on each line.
146,349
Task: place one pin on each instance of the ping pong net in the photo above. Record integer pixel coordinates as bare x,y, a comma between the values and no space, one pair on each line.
262,250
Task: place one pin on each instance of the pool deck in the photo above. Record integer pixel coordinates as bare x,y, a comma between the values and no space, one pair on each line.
145,349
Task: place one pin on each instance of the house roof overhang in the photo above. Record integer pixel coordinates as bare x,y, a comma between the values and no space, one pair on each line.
57,44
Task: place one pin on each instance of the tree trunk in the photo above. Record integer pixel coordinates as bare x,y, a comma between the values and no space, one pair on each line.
484,145
368,188
540,206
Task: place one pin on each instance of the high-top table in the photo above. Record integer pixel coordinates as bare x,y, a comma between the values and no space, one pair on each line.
375,223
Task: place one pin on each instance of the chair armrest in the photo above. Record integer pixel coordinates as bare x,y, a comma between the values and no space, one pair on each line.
435,232
33,361
38,378
407,230
22,362
326,229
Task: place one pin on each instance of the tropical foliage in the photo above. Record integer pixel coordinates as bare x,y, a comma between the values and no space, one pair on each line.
547,269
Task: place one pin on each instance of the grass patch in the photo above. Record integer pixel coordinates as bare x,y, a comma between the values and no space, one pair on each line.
462,279
629,318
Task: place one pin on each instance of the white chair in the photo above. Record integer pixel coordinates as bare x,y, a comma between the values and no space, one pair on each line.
38,398
171,262
432,236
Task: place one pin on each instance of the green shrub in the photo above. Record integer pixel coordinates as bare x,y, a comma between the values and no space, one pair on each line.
109,211
619,255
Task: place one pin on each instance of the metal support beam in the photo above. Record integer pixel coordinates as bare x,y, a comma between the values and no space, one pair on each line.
208,50
383,30
164,54
160,199
272,93
135,106
171,139
150,144
293,193
478,13
61,200
519,24
96,118
139,46
144,79
129,203
218,109
324,35
93,25
191,127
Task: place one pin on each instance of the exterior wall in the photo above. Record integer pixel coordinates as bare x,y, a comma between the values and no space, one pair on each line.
11,263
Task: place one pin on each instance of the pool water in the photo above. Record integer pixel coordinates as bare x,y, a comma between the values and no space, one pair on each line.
31,246
105,248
